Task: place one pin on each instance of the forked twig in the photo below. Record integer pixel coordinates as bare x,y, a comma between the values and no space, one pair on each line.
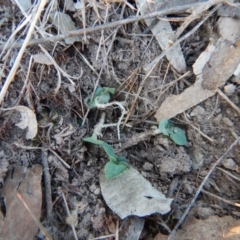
171,236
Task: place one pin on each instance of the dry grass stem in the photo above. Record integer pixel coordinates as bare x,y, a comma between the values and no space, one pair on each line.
47,184
69,214
106,26
229,174
197,129
39,7
232,203
222,95
150,67
171,236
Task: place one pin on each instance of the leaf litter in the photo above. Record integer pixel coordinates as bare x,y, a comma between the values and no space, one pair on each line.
169,175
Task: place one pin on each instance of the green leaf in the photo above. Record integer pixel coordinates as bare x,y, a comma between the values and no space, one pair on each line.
108,90
112,169
102,99
178,136
110,152
93,140
89,103
123,160
98,92
163,126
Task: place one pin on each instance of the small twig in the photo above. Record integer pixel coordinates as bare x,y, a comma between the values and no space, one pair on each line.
195,14
42,148
47,184
60,37
197,129
60,159
171,236
136,138
104,237
13,71
69,214
232,203
39,224
229,174
149,68
222,95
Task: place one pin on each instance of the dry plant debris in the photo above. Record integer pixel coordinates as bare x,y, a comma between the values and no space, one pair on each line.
163,58
135,195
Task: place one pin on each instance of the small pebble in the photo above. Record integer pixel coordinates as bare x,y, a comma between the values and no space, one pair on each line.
217,119
97,191
197,111
229,89
229,163
197,158
228,122
147,166
204,212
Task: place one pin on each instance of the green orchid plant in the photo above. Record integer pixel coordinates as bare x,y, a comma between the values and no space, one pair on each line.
175,133
116,165
101,96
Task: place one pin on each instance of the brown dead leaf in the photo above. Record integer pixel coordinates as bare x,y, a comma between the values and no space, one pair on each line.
213,68
176,104
18,223
222,64
164,35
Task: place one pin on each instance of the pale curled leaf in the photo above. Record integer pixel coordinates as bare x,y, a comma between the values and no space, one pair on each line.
131,194
42,59
28,119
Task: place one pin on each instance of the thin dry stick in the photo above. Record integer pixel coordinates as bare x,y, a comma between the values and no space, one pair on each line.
107,25
229,174
154,63
39,224
232,203
222,95
69,214
47,185
197,129
20,54
195,15
171,236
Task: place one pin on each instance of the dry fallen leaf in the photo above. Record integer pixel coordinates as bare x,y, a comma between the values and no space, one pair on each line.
131,194
213,68
164,35
42,59
176,104
222,64
28,119
17,222
64,24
